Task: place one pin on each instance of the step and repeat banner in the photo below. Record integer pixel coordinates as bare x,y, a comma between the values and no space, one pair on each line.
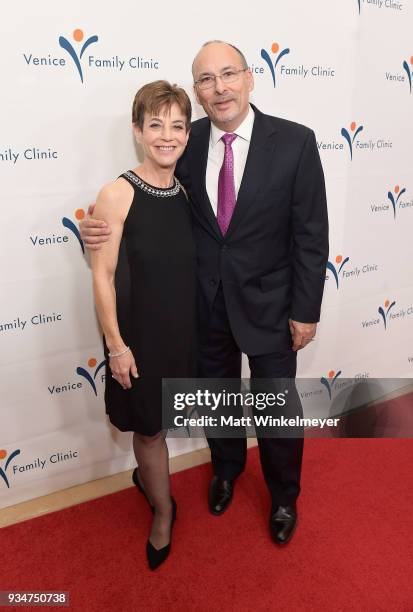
69,75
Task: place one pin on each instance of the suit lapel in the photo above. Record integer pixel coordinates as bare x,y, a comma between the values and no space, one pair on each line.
198,158
256,167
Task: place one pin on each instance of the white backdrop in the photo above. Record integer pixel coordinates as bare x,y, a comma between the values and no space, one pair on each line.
65,131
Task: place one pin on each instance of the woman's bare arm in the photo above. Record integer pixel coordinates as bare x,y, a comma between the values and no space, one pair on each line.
112,207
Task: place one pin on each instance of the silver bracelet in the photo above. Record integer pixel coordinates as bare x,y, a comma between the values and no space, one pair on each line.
120,354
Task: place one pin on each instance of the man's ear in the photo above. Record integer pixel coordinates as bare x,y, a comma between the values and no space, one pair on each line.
196,94
250,80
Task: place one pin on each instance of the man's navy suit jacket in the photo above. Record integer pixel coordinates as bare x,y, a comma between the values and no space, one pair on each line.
272,260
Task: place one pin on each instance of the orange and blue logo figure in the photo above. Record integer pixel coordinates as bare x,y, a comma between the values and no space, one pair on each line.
271,63
350,136
78,37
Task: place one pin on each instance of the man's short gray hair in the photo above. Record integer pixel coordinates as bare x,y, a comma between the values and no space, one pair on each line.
223,42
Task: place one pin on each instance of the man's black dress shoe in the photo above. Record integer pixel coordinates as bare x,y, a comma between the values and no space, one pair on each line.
220,495
136,482
283,521
157,556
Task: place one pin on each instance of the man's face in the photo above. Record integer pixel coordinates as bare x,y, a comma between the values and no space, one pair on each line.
226,104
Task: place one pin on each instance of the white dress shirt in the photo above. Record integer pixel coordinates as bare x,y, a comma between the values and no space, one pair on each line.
216,151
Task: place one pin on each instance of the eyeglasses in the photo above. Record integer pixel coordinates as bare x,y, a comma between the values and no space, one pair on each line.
229,76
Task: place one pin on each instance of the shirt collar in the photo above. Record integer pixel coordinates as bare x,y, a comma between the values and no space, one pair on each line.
243,131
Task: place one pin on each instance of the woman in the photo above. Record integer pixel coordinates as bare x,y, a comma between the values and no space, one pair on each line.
144,287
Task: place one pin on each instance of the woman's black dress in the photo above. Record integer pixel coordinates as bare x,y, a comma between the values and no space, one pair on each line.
155,299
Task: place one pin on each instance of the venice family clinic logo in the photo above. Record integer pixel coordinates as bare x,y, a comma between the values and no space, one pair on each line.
78,37
351,136
3,468
275,48
384,311
395,197
68,223
337,268
91,377
409,72
76,55
329,381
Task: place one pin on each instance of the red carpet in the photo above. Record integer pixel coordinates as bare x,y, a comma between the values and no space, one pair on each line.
352,549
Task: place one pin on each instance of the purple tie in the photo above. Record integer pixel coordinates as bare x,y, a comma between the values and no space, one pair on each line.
226,185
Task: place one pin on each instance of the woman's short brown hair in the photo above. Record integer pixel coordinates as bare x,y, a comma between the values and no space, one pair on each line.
153,97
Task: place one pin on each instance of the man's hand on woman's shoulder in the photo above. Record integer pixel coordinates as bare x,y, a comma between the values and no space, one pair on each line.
113,203
93,232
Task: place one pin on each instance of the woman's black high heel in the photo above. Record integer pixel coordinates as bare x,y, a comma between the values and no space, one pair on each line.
157,557
138,485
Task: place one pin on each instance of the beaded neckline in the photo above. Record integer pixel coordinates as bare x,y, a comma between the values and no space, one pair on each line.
159,192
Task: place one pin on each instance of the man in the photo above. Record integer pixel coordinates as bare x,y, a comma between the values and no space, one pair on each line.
260,222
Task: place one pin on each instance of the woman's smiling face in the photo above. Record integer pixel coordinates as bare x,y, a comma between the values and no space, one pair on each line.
163,136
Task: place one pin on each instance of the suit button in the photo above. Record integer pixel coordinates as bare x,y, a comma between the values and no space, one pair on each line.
212,282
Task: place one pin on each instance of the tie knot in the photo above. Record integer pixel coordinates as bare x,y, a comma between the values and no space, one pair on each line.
228,139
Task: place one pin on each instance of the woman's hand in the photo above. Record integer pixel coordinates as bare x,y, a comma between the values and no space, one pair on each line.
121,367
